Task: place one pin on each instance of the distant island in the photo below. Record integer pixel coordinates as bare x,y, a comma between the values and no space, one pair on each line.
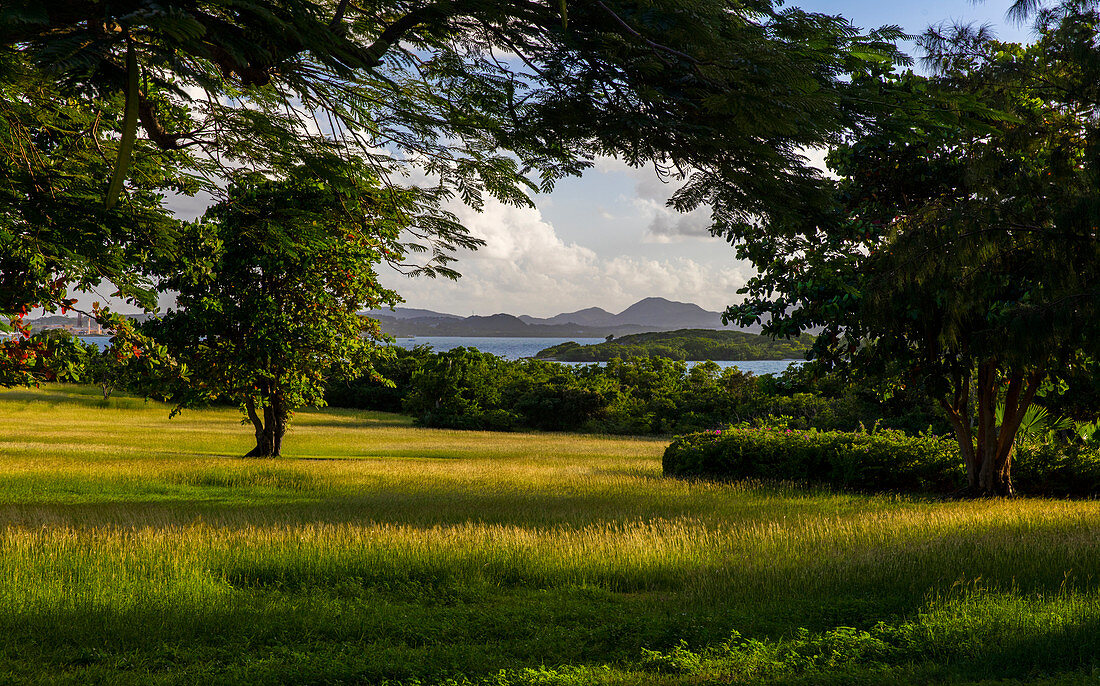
684,344
649,314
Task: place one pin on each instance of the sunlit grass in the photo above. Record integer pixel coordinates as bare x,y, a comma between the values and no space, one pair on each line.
138,548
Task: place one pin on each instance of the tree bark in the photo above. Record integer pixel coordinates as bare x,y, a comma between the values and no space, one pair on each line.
961,424
262,448
958,414
270,427
989,454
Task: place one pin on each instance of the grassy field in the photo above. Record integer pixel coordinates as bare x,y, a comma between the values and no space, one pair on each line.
138,549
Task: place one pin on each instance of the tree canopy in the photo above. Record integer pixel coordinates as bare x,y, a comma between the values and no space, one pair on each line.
270,282
480,93
961,247
482,97
55,232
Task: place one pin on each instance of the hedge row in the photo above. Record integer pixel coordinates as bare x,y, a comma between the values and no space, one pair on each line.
879,461
883,460
1057,470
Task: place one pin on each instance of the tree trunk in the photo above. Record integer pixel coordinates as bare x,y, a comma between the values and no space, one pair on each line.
989,454
958,414
269,429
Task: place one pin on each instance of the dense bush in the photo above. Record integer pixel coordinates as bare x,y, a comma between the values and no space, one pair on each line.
464,388
882,460
872,461
369,393
1057,469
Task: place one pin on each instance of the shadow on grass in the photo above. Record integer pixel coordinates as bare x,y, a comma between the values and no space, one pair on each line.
312,636
231,506
55,394
409,630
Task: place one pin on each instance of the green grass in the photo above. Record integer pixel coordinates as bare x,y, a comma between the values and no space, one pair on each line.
138,549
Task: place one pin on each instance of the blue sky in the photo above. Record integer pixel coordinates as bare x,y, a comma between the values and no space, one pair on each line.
606,239
914,17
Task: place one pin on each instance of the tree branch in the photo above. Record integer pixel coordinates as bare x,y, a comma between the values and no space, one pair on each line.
339,16
395,31
656,46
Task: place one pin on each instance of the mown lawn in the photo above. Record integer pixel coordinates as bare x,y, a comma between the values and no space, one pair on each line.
138,549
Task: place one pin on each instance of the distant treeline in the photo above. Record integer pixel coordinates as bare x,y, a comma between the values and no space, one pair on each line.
684,344
468,389
465,388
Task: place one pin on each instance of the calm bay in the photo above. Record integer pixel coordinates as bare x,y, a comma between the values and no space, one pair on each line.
519,348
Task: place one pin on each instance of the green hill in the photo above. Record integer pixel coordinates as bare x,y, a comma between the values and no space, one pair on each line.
684,344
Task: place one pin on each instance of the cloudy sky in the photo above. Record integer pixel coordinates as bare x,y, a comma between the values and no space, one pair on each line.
607,240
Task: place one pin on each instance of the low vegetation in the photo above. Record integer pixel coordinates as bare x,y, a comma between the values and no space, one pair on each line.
685,344
873,461
136,549
879,461
467,389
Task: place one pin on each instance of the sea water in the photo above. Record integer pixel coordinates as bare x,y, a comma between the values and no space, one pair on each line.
519,348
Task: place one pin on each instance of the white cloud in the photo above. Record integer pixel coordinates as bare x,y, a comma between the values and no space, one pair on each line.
515,235
663,223
188,207
816,158
666,225
526,268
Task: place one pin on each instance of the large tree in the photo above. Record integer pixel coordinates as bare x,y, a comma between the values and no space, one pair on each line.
484,97
269,286
962,246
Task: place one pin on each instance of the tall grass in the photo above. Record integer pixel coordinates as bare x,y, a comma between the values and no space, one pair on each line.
137,548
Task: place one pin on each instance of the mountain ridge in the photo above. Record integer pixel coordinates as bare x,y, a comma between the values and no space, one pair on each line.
646,315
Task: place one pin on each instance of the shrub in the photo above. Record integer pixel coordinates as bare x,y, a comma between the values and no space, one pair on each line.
808,411
1057,470
679,660
883,460
561,404
878,461
461,389
371,393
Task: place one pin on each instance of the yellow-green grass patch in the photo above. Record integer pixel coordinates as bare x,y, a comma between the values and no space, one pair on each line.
139,548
